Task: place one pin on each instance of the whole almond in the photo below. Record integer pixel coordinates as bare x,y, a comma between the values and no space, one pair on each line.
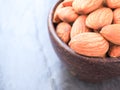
63,31
116,16
112,33
113,3
79,26
67,3
114,51
56,19
67,14
86,6
99,18
89,44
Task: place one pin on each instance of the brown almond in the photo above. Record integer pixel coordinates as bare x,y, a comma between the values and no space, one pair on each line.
89,44
79,26
86,6
99,18
116,16
113,3
67,14
63,31
114,51
56,19
111,33
67,3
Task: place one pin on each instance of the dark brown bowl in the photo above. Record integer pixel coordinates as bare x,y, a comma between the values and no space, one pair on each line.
85,68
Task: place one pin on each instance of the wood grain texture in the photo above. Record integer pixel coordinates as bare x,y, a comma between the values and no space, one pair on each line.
27,59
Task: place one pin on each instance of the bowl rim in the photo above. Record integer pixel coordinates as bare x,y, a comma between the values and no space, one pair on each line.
51,29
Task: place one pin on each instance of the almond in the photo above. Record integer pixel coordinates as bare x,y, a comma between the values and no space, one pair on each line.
99,18
113,3
79,26
89,44
56,19
112,33
67,14
86,6
67,3
63,31
116,16
114,51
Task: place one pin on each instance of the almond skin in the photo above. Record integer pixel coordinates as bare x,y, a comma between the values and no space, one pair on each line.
63,31
114,51
67,14
79,26
113,3
67,3
116,16
56,19
99,18
89,44
86,6
111,33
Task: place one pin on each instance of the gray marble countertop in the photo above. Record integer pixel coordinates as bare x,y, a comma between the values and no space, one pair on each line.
27,59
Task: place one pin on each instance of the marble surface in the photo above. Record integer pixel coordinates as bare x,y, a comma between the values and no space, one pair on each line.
27,59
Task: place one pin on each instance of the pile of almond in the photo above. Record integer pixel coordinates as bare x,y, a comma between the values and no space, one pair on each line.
89,27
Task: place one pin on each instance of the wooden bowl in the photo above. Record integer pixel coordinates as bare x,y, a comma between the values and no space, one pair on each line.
89,69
